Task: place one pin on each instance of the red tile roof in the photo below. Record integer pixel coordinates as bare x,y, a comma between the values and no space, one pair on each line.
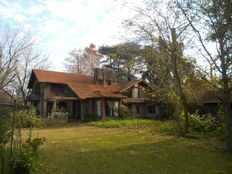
60,77
83,86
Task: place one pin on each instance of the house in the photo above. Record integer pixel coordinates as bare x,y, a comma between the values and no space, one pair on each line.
82,96
212,102
6,103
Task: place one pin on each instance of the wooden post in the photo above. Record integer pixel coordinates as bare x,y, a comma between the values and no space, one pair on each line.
103,109
44,108
54,105
82,102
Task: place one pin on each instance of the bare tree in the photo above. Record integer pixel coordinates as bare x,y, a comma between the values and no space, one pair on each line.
74,61
82,61
17,58
12,46
91,57
28,60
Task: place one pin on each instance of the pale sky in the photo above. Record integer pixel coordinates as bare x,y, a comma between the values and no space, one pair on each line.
59,26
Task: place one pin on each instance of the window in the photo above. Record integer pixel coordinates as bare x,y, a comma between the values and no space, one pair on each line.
151,109
57,89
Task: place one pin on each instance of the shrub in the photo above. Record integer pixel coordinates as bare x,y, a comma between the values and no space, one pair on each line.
206,124
28,118
123,112
4,130
27,156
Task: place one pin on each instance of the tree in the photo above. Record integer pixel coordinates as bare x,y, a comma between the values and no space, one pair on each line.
91,58
210,21
124,58
17,58
28,60
83,61
12,46
160,26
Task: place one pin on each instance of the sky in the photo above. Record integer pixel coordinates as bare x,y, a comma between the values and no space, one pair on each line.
59,26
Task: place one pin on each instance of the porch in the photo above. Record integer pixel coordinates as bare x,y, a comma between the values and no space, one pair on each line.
75,109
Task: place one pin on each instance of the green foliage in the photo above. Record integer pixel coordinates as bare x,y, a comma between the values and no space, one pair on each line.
27,156
124,112
28,118
23,158
124,58
206,124
5,110
4,130
5,134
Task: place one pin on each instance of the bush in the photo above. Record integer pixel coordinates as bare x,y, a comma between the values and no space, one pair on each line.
123,112
4,130
27,156
206,124
28,118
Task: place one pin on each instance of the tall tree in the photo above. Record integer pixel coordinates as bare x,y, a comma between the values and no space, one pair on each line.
124,58
17,58
210,21
159,25
83,61
12,46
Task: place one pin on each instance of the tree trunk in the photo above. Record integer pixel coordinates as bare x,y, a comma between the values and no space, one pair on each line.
228,117
180,126
175,54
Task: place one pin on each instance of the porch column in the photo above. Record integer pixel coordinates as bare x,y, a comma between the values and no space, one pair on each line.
54,105
44,108
82,112
103,108
70,109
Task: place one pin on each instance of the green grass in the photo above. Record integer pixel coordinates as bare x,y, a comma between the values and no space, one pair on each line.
88,149
129,122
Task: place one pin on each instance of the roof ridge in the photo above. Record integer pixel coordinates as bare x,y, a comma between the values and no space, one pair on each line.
61,72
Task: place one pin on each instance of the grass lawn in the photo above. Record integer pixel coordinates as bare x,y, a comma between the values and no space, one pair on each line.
89,149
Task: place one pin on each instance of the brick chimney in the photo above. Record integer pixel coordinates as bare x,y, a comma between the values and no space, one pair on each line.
103,76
